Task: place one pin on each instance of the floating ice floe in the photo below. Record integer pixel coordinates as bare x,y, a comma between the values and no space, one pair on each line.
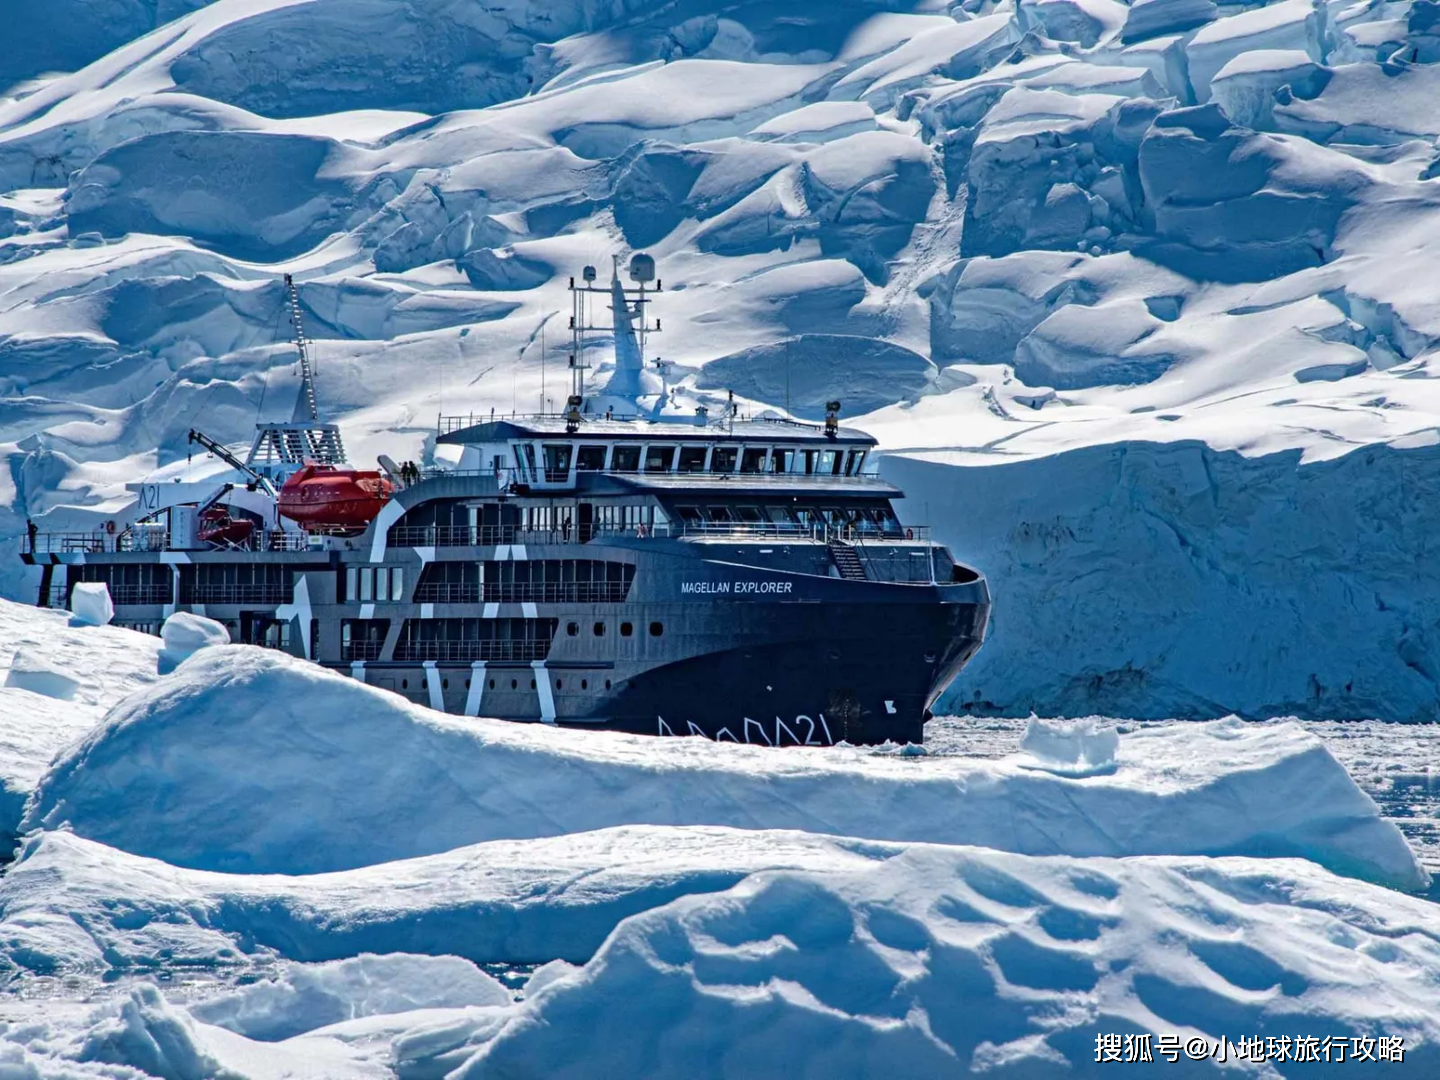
271,764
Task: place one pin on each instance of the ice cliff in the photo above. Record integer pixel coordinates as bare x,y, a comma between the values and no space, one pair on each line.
1027,240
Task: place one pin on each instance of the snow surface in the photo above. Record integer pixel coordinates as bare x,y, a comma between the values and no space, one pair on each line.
843,943
90,603
240,760
1059,225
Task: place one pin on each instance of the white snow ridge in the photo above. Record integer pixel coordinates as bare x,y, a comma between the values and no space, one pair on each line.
1138,298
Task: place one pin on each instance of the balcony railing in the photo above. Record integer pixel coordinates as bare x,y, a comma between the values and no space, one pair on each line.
547,592
156,538
470,651
141,594
256,593
361,650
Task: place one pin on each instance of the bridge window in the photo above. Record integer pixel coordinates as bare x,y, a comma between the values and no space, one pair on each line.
719,513
692,458
689,514
856,460
557,461
626,459
526,458
590,458
748,513
753,460
830,462
722,459
659,458
781,459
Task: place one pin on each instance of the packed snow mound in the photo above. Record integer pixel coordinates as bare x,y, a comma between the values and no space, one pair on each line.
57,683
33,670
71,906
248,760
138,1033
90,604
185,634
304,997
942,961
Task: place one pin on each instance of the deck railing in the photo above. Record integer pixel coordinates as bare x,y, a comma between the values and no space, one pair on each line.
547,592
472,650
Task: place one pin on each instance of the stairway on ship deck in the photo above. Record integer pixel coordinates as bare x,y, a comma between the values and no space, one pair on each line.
846,561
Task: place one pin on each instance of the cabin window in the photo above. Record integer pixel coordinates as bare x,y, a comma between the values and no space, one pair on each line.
829,463
810,456
722,459
749,513
626,459
781,459
367,586
590,459
557,461
626,629
692,458
719,513
362,639
659,458
656,629
370,583
599,629
753,460
688,514
571,629
779,514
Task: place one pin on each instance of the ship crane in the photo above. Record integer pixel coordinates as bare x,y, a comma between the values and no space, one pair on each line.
234,462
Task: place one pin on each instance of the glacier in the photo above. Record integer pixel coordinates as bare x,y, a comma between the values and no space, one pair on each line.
1020,240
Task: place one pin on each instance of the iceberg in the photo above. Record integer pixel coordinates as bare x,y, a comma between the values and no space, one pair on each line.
269,764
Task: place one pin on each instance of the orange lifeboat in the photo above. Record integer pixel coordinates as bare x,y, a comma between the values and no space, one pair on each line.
327,497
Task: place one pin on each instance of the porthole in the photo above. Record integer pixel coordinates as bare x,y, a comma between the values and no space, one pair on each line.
492,684
467,684
559,684
599,629
514,684
444,684
404,684
607,684
532,684
584,684
571,629
626,629
656,629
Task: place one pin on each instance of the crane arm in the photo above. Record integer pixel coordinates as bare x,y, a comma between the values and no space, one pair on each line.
230,459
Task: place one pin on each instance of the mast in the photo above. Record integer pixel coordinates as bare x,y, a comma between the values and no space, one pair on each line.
281,448
306,405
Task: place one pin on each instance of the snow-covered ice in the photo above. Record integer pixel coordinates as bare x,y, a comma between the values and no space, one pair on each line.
249,760
90,603
1138,299
185,633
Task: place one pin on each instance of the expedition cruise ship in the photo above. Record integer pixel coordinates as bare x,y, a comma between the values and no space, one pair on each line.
741,579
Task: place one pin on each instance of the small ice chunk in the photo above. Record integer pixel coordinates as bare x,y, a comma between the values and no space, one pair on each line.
185,634
304,997
90,603
1073,748
30,670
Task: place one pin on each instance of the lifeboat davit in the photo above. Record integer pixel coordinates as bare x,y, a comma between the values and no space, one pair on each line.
331,498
